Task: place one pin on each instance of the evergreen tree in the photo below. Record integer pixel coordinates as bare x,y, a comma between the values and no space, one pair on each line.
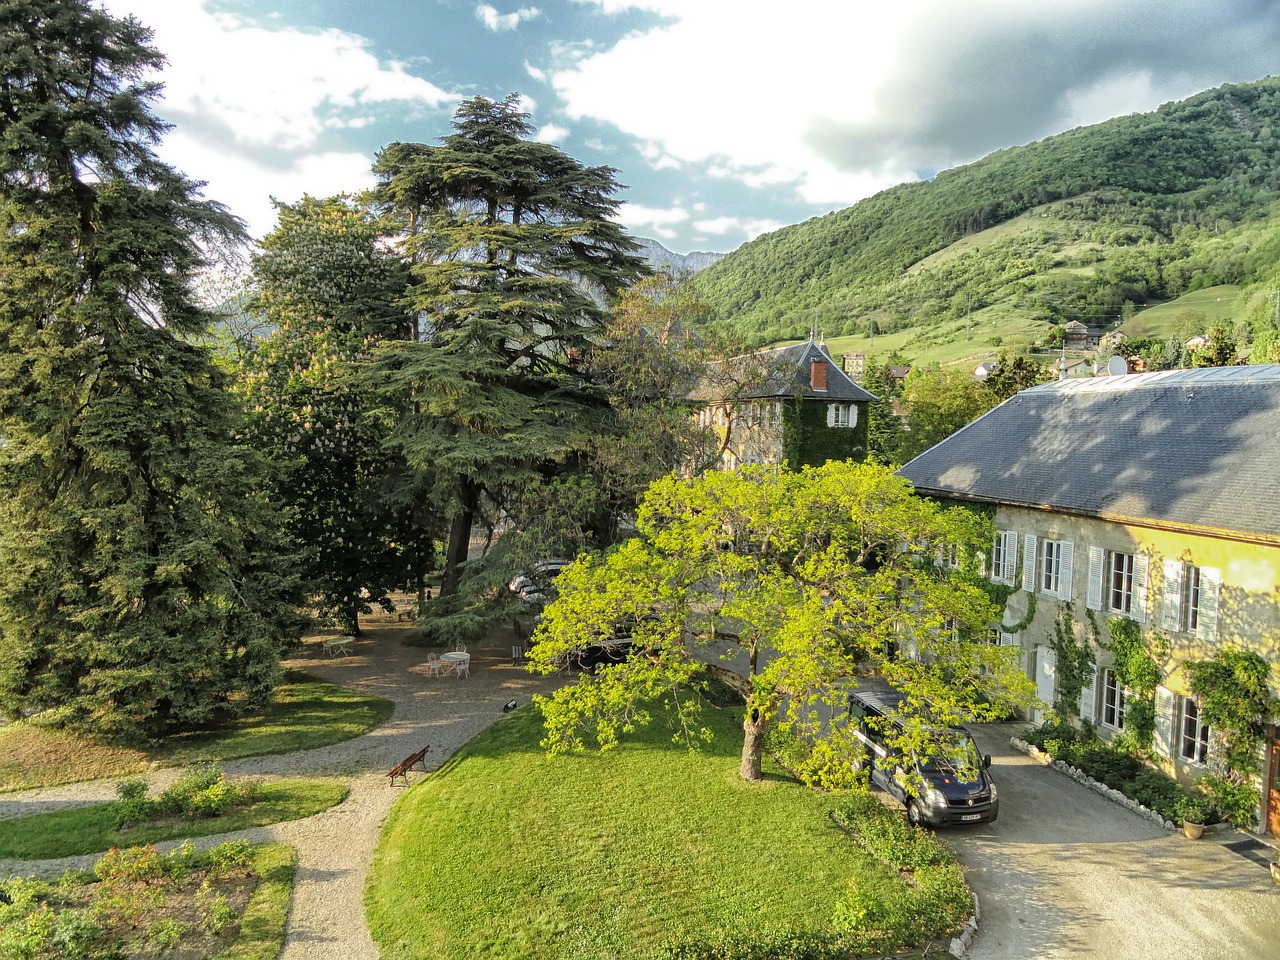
141,583
331,291
513,255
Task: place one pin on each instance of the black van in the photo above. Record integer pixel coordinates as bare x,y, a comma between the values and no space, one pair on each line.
951,787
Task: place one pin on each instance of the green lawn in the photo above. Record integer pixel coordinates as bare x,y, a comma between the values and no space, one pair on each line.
67,833
507,853
306,713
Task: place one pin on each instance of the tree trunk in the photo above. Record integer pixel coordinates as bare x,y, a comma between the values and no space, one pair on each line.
459,538
754,725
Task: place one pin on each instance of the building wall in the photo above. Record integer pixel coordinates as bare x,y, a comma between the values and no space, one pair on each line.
1248,611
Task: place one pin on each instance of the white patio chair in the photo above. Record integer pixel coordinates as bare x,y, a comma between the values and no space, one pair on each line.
433,665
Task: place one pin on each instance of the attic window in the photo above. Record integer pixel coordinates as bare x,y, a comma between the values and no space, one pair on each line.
818,374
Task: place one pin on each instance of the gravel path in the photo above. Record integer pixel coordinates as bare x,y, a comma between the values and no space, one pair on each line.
326,919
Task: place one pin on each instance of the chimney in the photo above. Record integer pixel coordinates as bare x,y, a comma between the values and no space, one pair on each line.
818,375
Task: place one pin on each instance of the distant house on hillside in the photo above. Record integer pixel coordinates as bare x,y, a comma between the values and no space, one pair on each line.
791,403
985,369
1147,498
1080,337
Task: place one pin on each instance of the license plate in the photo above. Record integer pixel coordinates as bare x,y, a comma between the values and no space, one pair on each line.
972,816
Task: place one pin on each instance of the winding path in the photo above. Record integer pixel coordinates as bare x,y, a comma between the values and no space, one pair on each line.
326,919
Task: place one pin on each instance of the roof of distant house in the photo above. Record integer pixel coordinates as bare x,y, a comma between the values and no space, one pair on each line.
780,372
1186,449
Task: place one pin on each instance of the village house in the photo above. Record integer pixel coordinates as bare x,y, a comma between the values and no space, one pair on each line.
790,403
1079,337
1149,497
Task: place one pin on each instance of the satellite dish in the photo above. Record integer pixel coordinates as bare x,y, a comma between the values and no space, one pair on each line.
1117,367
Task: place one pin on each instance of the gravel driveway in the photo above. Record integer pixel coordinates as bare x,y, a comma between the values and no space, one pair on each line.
1065,872
326,919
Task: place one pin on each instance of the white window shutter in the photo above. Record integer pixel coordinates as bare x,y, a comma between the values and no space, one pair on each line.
1210,588
1088,696
1010,556
1067,553
831,414
1166,720
1008,639
852,421
1171,592
1097,557
1138,605
1029,563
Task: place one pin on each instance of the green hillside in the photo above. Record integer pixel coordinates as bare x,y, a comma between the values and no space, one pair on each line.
1140,210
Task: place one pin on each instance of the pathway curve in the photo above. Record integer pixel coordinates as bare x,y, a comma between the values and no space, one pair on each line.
326,919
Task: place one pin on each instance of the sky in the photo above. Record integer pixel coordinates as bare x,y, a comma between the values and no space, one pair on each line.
725,119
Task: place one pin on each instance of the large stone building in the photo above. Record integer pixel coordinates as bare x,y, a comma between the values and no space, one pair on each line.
790,404
1151,497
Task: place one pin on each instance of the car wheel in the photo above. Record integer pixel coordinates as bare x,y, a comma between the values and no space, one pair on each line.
913,814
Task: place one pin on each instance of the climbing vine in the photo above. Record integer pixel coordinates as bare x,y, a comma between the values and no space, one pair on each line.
1234,696
1075,661
1137,671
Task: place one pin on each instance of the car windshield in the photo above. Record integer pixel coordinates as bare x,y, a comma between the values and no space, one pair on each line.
958,760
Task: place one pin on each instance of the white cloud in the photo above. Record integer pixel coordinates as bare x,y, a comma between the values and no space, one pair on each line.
247,185
552,133
774,72
752,228
652,221
828,101
494,20
270,87
535,73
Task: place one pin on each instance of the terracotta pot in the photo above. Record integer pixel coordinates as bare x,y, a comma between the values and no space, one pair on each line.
1192,831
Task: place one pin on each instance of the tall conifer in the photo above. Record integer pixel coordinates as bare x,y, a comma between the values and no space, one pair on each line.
141,586
514,257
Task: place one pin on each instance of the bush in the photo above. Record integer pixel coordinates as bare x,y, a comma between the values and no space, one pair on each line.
1236,802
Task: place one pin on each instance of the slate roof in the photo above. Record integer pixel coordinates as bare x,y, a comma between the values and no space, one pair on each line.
785,374
1184,449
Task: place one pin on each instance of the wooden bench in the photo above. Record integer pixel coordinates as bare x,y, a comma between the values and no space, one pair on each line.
401,770
338,645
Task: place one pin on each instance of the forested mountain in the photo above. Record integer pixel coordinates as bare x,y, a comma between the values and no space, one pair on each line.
1138,209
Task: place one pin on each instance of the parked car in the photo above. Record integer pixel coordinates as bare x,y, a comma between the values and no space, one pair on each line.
536,584
952,785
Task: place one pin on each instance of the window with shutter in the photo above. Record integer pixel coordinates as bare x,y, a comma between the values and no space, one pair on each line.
1088,694
1164,733
1210,586
1138,602
1011,556
1193,742
1097,559
1029,563
1112,701
1171,596
1066,551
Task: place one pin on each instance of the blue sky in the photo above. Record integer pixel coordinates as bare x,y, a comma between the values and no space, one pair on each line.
725,118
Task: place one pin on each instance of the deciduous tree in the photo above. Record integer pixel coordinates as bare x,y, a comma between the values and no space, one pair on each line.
791,587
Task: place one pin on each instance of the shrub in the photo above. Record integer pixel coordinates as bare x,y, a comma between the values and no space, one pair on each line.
166,933
74,936
1236,802
132,806
134,864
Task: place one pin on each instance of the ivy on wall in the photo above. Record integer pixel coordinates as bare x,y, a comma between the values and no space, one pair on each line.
808,441
1138,672
1234,695
1075,661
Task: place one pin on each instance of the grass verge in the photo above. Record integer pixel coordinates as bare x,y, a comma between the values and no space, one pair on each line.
262,926
305,713
506,852
68,833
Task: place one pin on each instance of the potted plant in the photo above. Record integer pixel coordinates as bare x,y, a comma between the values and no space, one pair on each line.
1195,811
1275,869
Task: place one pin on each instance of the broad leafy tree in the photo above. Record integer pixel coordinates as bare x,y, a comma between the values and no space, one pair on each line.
792,588
142,587
331,292
514,255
